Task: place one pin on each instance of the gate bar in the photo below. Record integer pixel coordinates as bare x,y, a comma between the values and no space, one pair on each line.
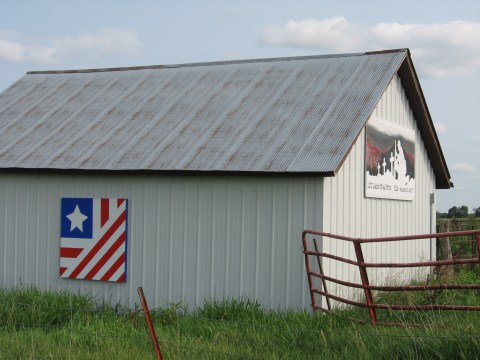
324,282
364,277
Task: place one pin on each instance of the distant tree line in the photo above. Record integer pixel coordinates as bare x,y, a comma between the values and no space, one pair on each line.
458,212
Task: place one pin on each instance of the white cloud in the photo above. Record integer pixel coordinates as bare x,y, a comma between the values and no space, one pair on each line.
114,41
11,51
335,33
107,42
42,55
463,167
476,137
441,128
438,49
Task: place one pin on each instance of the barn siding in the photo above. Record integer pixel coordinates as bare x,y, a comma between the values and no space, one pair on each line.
190,238
348,212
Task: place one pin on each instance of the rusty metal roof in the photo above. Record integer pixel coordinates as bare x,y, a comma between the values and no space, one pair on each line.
284,115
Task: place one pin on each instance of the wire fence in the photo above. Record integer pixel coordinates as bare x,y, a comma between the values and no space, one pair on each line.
458,247
32,331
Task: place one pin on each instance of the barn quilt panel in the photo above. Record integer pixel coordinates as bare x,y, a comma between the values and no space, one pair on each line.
93,242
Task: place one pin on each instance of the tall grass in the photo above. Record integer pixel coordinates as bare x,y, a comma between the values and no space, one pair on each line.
46,325
58,325
29,307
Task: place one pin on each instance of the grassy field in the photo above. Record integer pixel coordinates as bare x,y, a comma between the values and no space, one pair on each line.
40,325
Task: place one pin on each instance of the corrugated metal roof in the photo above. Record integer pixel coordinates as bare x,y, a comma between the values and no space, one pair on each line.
286,115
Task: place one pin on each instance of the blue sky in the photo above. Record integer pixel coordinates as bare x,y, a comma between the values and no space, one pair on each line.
443,37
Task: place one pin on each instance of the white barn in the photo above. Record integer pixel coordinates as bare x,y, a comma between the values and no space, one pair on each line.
223,165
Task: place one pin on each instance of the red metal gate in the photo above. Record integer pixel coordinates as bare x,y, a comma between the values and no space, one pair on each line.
317,280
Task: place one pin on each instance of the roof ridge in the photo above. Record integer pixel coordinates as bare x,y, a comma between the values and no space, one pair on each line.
214,63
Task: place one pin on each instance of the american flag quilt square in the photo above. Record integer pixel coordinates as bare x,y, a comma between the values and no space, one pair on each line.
93,241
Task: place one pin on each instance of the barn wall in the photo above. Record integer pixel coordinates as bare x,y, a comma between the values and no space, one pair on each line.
189,238
348,212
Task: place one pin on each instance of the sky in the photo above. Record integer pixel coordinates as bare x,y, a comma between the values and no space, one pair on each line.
443,37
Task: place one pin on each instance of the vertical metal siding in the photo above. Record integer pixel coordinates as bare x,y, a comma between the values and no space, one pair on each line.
189,238
348,212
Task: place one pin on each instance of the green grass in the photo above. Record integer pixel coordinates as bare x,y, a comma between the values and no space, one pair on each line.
45,325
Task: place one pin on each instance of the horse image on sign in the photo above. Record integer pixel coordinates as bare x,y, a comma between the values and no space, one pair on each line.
93,242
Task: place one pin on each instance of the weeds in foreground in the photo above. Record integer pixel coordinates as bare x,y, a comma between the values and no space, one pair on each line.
44,325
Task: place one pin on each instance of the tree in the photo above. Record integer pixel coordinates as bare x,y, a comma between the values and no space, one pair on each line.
441,215
452,212
458,212
476,211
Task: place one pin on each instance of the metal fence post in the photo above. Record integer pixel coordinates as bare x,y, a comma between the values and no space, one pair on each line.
148,319
478,245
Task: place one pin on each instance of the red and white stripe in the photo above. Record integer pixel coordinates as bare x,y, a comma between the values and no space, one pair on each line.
103,257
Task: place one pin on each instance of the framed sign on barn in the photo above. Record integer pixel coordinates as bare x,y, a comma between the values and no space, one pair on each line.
389,160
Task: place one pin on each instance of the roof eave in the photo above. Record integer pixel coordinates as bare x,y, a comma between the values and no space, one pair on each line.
166,172
421,113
